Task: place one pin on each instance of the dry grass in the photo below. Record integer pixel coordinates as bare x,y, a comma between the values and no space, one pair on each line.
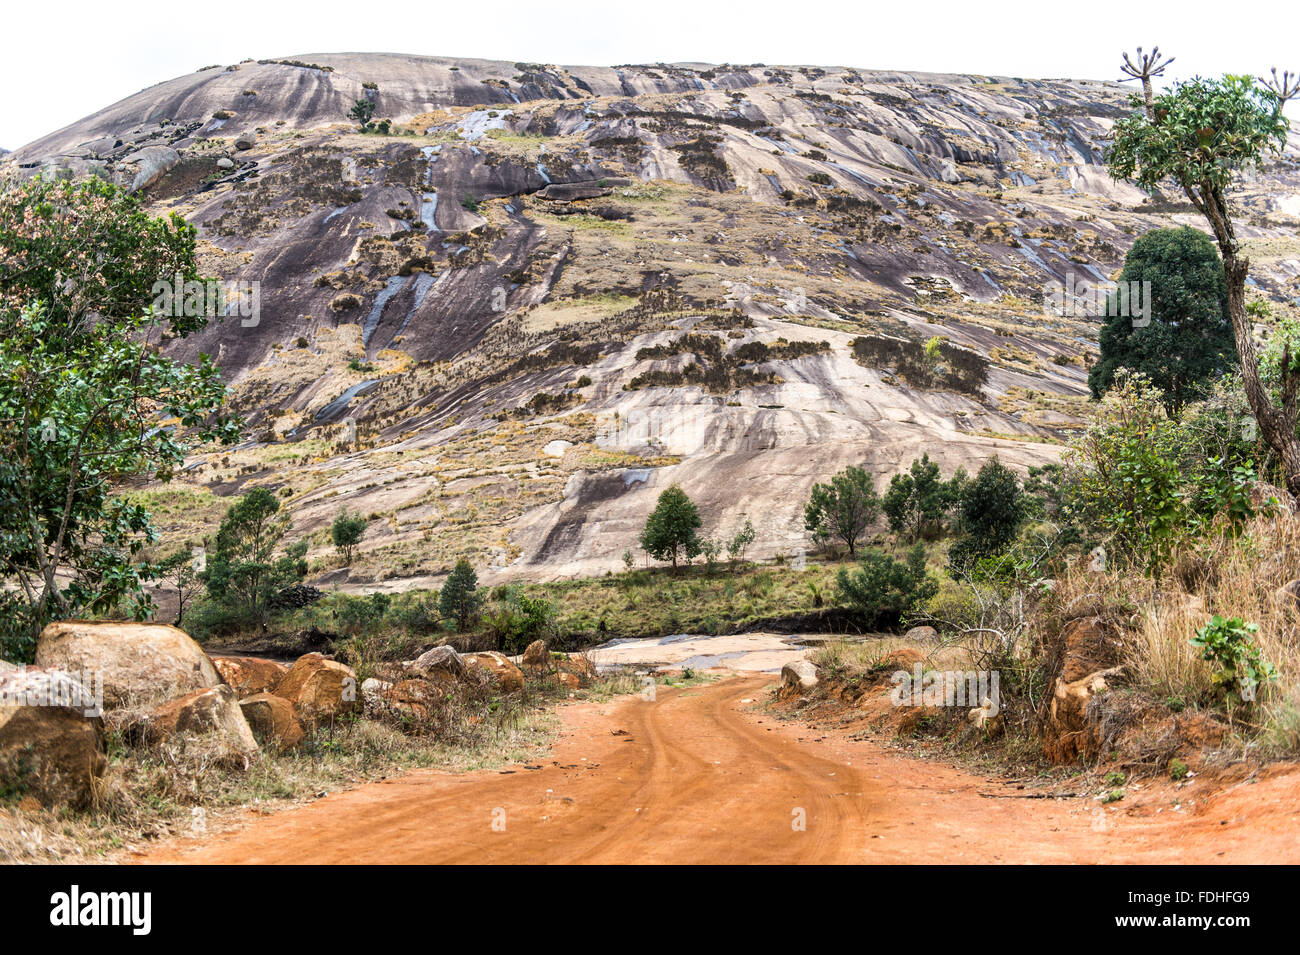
866,653
1230,577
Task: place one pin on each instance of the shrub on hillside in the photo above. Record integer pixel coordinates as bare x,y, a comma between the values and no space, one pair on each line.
883,591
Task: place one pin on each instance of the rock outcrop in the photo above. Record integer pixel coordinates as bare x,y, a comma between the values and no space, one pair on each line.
139,663
320,690
798,677
211,719
49,748
1071,725
273,721
441,664
508,677
794,215
248,676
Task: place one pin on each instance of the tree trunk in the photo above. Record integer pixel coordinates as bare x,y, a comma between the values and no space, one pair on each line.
1277,425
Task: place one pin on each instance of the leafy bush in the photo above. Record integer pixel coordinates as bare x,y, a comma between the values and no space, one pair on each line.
917,500
944,366
1143,478
346,532
884,591
1240,665
990,509
516,619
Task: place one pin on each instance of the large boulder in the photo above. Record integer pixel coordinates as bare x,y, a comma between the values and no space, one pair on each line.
412,698
374,693
798,677
210,719
138,663
577,664
508,677
441,664
536,655
249,676
49,747
321,690
273,721
923,634
150,163
569,670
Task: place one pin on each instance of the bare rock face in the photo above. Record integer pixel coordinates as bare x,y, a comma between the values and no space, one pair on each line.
54,753
509,678
210,718
568,191
921,635
149,164
248,676
321,690
740,198
139,663
273,721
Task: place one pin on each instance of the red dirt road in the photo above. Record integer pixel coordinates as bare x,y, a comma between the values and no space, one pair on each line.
702,777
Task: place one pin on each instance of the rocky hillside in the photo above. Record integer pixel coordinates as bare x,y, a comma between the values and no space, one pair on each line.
501,322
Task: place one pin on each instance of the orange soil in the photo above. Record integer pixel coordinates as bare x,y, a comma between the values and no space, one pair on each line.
702,776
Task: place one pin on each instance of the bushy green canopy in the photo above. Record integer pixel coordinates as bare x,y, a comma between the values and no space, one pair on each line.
1188,342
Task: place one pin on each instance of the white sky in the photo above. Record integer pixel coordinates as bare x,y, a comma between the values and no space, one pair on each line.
60,62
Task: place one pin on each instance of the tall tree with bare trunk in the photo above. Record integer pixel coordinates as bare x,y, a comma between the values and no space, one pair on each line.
1203,134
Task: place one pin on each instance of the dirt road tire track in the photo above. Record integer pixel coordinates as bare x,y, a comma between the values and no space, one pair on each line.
702,777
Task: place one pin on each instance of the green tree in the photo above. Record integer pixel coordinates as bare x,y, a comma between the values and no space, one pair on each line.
842,509
671,529
181,569
84,397
1203,134
884,590
363,111
346,532
1188,341
992,505
460,599
917,499
737,546
244,572
91,256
